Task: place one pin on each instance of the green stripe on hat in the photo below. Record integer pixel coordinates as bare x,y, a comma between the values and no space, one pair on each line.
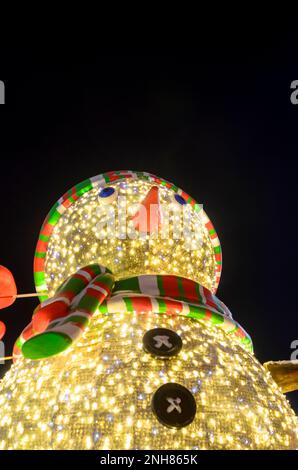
197,207
44,238
83,187
39,278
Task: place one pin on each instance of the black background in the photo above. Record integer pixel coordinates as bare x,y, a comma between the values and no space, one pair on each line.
214,119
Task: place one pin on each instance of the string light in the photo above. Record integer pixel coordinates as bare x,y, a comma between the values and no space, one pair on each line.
98,394
81,237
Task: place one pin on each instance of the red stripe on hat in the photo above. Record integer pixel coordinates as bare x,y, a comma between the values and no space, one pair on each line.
39,264
112,176
47,229
74,194
67,203
156,179
64,197
41,246
239,333
184,195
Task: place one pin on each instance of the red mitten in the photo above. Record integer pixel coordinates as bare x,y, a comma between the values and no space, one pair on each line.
8,289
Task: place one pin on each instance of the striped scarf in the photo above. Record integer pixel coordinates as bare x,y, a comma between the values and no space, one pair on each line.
61,320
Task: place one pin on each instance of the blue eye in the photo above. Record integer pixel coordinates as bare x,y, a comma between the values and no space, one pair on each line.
180,200
107,194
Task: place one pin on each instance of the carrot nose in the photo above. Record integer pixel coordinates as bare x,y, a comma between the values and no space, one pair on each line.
148,218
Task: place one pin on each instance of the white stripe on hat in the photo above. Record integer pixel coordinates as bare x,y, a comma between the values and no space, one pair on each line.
227,325
42,288
61,209
215,241
97,181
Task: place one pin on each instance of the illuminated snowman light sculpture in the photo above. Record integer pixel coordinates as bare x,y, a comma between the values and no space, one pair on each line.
130,348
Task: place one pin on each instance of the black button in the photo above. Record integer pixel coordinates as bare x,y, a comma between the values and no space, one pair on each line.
162,342
174,405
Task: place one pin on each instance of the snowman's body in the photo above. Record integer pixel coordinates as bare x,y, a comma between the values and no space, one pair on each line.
141,379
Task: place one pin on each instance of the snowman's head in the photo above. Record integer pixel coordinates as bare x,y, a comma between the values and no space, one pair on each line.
132,223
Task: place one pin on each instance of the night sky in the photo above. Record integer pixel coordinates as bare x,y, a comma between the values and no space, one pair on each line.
215,120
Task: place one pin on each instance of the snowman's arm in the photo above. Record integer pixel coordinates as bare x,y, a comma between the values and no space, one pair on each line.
61,333
59,305
284,373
